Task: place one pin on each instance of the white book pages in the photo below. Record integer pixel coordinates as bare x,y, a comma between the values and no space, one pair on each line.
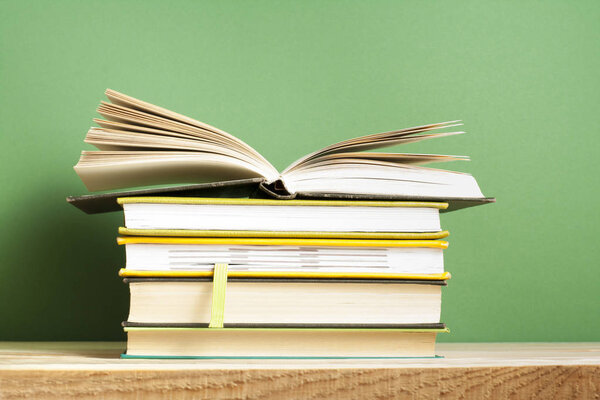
281,218
189,257
287,302
370,178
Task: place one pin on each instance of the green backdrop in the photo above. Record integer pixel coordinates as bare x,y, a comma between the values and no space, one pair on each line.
291,77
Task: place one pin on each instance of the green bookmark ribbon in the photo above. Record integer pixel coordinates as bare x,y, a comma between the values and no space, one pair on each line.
217,312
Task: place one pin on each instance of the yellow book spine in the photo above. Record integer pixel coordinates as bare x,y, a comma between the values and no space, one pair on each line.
282,274
273,202
282,234
440,244
322,329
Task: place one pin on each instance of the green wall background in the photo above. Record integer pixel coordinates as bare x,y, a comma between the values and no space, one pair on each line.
291,77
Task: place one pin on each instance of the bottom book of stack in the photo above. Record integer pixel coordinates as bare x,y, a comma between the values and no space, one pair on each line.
276,317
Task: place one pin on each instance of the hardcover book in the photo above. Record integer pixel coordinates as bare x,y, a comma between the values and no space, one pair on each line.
339,219
286,302
264,256
216,343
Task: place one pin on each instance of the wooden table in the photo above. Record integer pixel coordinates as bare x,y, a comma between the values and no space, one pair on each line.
82,370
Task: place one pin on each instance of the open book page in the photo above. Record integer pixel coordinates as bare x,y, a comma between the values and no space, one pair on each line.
402,158
340,168
109,139
379,140
142,144
121,99
119,126
104,170
381,178
144,117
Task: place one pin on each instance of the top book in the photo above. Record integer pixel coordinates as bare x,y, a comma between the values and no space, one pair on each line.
141,144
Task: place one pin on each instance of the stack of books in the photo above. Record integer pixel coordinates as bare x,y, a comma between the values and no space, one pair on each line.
340,255
298,278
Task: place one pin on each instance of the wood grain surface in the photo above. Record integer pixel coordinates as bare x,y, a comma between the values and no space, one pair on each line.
477,371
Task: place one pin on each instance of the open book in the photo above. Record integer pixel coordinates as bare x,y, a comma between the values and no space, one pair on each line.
141,144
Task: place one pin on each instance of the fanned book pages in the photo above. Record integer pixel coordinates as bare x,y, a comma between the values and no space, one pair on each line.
141,144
